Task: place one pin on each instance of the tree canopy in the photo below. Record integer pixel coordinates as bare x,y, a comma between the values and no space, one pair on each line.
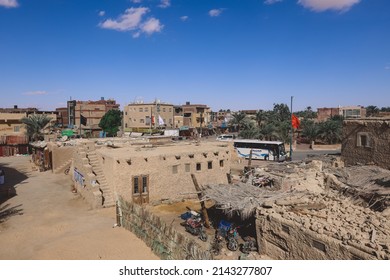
111,122
35,124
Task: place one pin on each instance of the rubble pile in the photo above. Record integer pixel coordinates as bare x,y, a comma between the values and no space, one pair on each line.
337,217
299,176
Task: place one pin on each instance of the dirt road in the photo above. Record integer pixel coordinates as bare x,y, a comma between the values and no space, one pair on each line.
46,221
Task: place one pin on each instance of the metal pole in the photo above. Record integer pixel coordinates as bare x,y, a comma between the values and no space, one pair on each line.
80,119
151,119
291,127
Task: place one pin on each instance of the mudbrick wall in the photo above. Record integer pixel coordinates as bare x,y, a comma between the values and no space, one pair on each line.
168,169
61,155
325,227
164,240
84,179
373,149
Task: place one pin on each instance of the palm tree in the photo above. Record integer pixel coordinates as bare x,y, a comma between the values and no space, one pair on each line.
310,131
35,124
331,131
268,132
238,119
260,117
249,130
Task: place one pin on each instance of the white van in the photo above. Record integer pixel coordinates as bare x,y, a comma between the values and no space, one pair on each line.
226,137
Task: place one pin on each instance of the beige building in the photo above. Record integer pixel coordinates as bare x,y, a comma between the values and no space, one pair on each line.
92,111
144,173
347,112
146,116
366,141
196,115
10,120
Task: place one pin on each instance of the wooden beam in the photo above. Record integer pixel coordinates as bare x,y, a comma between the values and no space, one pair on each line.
202,204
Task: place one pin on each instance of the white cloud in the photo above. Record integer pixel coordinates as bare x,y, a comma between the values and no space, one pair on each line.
151,26
184,18
132,20
136,1
165,4
270,2
102,13
215,12
9,3
37,92
323,5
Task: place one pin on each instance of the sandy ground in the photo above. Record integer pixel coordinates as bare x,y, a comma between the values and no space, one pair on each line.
46,221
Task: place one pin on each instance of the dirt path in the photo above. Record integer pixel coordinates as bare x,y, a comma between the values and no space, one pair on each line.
45,220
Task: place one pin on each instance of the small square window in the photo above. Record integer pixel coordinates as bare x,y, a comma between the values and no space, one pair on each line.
198,167
210,165
221,163
175,169
363,140
188,167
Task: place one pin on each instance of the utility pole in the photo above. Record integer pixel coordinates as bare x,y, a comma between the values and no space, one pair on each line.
291,128
80,118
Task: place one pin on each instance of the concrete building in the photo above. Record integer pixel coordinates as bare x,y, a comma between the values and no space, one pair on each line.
93,111
143,117
348,112
13,139
366,141
221,119
63,117
196,115
10,119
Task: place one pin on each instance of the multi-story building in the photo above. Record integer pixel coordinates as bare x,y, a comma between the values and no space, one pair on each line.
348,112
13,139
62,117
221,118
10,119
196,115
140,116
91,112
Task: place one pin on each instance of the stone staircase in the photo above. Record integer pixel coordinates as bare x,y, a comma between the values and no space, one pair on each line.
61,169
108,198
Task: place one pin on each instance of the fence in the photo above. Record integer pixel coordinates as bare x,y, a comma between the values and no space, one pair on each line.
163,239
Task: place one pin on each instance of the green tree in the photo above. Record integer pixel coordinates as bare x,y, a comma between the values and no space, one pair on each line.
34,125
111,122
330,131
261,117
238,119
310,130
249,130
268,132
307,113
281,112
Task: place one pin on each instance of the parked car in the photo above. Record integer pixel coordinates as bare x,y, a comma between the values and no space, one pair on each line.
226,137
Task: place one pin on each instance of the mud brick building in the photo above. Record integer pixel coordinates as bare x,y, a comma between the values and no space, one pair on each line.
366,141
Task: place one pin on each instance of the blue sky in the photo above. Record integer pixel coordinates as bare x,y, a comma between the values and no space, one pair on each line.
228,54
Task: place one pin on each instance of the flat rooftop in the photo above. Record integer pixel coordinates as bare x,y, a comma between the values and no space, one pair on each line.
149,150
